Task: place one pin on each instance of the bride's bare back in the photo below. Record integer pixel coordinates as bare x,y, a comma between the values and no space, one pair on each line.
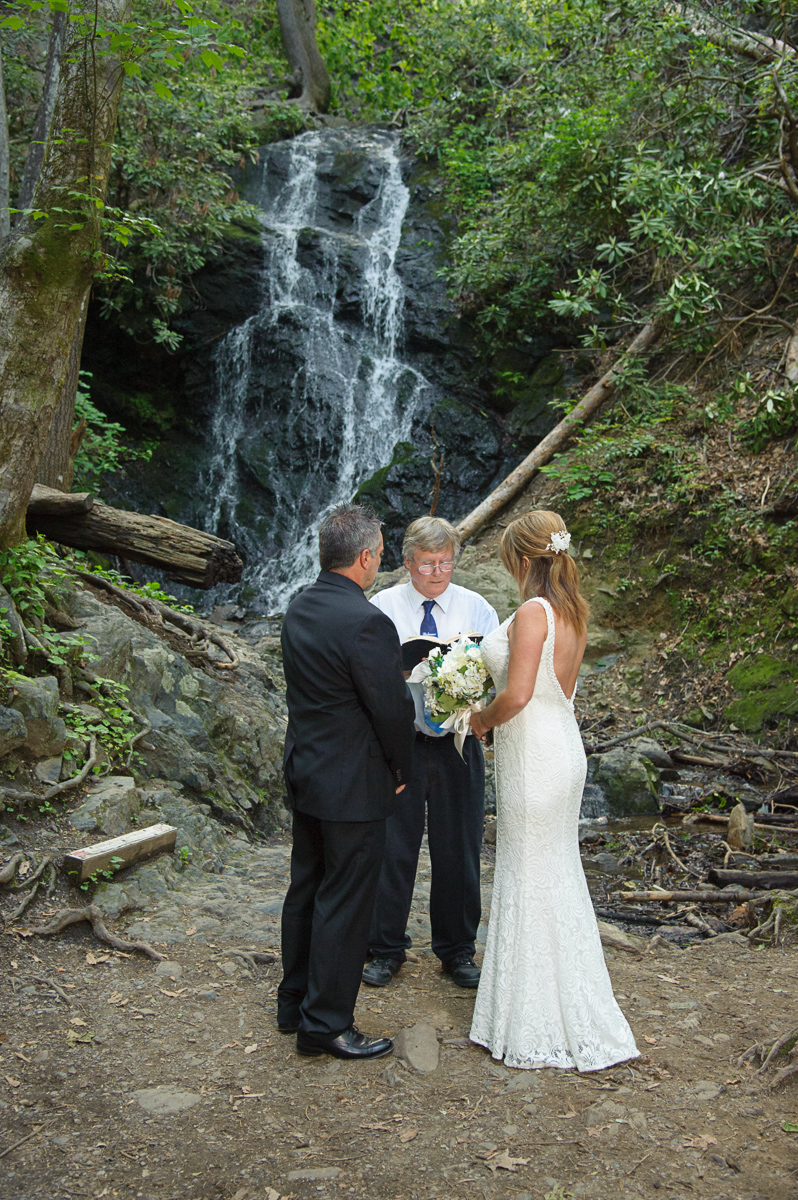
526,635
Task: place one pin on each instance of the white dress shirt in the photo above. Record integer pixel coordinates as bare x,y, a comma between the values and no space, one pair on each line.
456,611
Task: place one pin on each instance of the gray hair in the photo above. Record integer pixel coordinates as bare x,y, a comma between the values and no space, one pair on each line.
345,532
431,534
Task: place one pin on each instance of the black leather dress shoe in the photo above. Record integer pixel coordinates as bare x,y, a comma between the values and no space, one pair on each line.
463,970
288,1027
349,1044
381,970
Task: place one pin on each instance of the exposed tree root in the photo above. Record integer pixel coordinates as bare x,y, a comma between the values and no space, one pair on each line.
718,743
76,780
92,914
786,1045
137,738
30,884
8,871
200,637
25,883
26,903
19,648
769,929
50,984
253,957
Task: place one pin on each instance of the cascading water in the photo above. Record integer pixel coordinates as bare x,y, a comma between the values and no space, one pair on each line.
317,368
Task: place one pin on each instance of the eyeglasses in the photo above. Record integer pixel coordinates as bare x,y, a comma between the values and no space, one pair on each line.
430,568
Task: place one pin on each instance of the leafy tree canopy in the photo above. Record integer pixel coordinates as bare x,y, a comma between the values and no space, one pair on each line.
605,160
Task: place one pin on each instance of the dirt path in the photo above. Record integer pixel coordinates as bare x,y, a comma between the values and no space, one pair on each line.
173,1082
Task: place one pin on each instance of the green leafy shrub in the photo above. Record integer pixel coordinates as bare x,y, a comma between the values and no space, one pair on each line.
102,450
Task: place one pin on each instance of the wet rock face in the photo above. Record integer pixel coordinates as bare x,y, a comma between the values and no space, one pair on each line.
287,449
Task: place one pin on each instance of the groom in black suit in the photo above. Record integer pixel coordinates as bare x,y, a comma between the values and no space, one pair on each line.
348,751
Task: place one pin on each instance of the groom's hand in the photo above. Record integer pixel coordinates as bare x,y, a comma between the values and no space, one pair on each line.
401,789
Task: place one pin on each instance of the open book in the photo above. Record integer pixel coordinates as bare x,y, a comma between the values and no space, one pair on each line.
415,649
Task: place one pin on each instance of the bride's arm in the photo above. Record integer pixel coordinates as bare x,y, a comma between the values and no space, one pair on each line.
526,635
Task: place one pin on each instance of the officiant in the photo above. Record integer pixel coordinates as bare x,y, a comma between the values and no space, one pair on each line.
446,789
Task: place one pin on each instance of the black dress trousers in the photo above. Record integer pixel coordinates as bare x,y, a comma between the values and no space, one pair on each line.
335,866
451,793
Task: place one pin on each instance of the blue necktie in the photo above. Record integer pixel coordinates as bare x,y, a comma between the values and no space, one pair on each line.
428,622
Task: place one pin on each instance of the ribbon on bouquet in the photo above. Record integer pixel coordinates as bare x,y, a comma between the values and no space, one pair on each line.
460,722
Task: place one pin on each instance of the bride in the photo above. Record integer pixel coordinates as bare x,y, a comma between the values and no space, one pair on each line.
545,997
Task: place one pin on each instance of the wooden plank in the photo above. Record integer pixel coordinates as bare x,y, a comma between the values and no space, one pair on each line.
130,847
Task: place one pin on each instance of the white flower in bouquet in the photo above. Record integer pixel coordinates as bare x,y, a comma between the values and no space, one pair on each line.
455,681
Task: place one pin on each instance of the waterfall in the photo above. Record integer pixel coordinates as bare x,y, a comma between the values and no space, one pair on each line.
311,393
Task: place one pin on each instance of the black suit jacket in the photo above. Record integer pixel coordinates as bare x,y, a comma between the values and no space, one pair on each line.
350,730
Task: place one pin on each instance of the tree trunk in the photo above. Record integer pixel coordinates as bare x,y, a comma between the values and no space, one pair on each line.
5,193
187,555
587,407
56,466
44,113
46,266
298,28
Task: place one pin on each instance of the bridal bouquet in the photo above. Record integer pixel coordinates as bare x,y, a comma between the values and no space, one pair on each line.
455,684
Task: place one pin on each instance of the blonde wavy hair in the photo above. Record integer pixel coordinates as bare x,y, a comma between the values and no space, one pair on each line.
548,574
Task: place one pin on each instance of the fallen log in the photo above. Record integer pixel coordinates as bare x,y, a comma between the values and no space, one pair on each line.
698,760
777,818
779,861
699,818
186,555
728,896
755,879
587,407
49,502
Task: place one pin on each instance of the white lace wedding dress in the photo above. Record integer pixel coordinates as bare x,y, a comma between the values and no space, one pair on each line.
545,998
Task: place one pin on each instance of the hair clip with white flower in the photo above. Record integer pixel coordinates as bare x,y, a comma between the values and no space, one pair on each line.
560,540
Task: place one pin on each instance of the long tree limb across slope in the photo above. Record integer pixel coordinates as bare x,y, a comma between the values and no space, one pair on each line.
47,264
759,46
587,407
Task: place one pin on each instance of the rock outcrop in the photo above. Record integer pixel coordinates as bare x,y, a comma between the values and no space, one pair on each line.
218,739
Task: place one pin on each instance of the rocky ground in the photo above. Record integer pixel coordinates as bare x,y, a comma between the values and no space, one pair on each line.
127,1078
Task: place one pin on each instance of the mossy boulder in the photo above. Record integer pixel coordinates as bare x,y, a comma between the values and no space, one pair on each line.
768,691
620,783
